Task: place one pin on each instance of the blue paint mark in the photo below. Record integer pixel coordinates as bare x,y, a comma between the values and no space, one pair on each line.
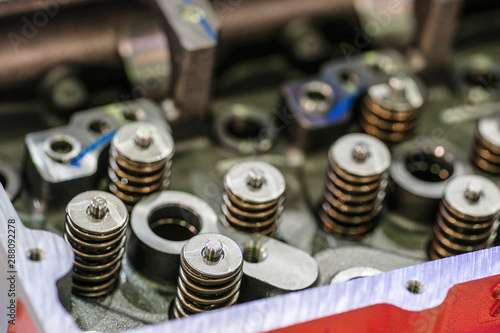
204,24
208,29
103,140
343,106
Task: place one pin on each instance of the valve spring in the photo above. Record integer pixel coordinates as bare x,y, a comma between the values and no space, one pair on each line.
486,147
254,198
209,276
140,161
355,186
96,226
389,111
467,219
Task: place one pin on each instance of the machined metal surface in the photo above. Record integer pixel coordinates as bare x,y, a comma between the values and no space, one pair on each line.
210,275
160,226
140,161
53,171
468,216
355,185
419,172
96,228
254,198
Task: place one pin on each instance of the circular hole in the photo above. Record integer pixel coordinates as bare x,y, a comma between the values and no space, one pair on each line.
316,98
99,127
350,77
133,113
415,286
254,252
429,167
244,128
174,223
481,77
61,146
35,254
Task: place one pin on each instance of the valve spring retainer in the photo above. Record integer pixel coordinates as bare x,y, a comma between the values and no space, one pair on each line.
390,110
140,161
209,276
486,147
96,227
468,217
254,198
355,185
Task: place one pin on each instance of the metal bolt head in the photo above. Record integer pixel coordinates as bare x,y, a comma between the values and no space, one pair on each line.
474,192
360,152
255,178
98,207
143,137
213,250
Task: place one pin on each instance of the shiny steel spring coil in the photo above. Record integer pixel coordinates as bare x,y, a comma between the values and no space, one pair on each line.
486,148
96,226
468,217
209,276
389,111
355,185
140,160
254,198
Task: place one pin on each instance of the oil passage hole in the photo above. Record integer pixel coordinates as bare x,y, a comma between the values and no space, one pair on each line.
35,254
99,127
316,98
429,167
174,223
62,146
415,286
254,252
244,128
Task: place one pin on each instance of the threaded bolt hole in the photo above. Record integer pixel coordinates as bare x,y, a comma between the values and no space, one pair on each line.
35,254
254,252
415,286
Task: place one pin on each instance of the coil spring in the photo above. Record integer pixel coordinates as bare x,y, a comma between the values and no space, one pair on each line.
254,198
388,114
140,162
486,153
212,280
355,186
98,250
469,223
